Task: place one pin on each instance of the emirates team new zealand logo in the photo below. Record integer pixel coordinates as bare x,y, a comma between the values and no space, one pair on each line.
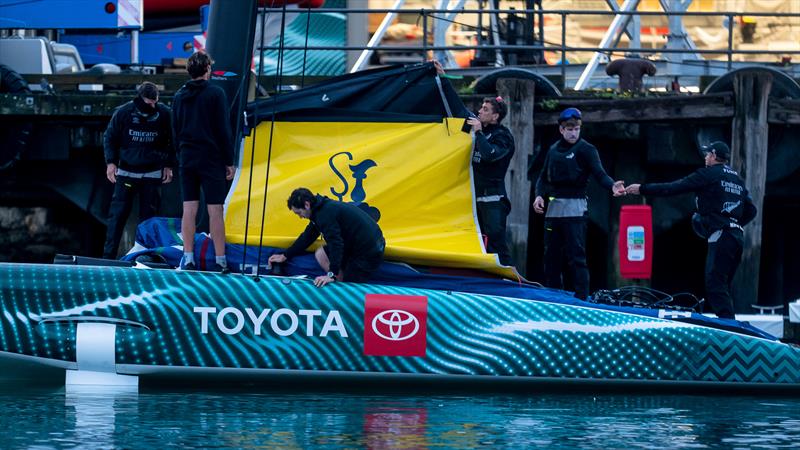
358,172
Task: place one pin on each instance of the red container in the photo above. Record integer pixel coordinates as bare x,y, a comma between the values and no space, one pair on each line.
636,241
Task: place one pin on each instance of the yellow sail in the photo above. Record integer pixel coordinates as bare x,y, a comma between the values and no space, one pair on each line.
416,174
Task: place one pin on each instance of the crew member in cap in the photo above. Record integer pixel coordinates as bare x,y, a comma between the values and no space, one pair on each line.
493,149
723,207
563,180
139,159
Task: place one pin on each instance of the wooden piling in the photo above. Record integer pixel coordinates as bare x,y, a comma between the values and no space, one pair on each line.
749,158
520,97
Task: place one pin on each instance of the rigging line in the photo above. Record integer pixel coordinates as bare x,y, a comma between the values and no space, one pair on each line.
305,48
452,21
279,74
482,29
253,143
443,96
455,22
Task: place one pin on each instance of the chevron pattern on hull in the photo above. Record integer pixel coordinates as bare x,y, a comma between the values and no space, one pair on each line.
729,358
192,319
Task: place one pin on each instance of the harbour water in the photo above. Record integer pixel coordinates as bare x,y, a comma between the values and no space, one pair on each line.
44,418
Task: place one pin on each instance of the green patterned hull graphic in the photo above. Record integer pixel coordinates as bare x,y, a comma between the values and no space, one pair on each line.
328,30
167,320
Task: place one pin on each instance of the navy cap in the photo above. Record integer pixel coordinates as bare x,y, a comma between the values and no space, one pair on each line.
719,148
569,113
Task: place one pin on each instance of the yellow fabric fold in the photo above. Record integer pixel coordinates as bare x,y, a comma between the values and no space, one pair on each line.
416,174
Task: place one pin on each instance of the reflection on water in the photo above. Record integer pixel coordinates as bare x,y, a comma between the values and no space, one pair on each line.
92,410
59,418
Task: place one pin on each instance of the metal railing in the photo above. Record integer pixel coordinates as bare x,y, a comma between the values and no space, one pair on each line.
426,16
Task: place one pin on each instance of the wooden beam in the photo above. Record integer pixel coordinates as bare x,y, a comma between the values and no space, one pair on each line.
749,158
129,81
784,111
43,107
678,107
170,82
520,97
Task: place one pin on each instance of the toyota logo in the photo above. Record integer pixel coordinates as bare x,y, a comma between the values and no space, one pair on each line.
402,324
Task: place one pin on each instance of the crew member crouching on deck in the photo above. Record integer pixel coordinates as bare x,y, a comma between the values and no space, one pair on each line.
354,242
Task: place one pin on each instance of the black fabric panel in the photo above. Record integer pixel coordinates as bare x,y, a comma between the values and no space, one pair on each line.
346,115
396,90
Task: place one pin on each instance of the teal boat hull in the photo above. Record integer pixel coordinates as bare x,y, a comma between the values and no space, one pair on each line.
194,324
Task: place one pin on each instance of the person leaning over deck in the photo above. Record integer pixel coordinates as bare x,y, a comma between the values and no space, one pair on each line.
139,158
563,180
723,207
493,149
354,242
202,134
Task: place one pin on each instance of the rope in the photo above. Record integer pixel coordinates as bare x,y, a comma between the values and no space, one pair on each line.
279,75
305,49
639,296
253,146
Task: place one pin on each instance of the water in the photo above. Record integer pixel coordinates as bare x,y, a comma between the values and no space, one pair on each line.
43,418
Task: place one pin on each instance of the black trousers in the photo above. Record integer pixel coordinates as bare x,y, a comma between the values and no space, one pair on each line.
565,237
125,191
358,268
722,260
492,220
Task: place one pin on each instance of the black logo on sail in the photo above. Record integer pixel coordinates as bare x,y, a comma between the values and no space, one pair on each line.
358,194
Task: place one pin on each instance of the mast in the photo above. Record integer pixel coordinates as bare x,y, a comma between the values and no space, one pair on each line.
231,33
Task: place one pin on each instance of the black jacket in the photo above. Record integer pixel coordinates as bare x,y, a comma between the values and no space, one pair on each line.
201,125
722,199
494,147
346,228
138,138
567,168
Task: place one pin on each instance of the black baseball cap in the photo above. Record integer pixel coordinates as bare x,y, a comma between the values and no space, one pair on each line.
719,148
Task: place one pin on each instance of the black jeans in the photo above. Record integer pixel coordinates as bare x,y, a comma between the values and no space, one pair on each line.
125,190
722,260
566,237
492,220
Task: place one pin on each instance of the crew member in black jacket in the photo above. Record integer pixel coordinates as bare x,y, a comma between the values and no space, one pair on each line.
563,181
494,147
202,130
139,158
354,242
723,207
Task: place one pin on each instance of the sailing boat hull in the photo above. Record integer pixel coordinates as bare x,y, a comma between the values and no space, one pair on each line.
191,324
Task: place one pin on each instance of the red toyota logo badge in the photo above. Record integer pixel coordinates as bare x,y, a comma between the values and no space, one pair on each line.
395,325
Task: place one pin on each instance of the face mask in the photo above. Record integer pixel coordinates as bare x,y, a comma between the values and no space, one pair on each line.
144,107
